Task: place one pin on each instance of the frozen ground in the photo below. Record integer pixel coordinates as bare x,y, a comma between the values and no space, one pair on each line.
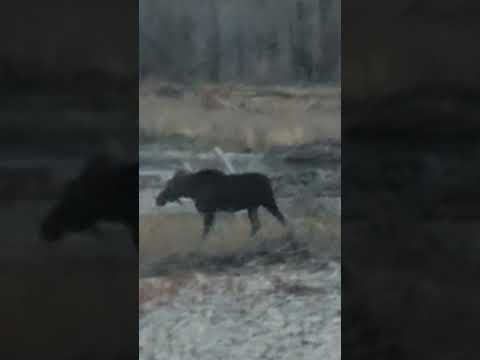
266,312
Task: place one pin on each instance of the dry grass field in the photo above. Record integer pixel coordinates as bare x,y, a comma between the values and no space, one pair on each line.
239,117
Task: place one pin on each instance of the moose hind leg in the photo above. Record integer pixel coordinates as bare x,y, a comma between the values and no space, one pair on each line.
254,221
275,211
208,220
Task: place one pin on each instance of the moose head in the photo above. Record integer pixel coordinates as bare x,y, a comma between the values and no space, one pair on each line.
175,188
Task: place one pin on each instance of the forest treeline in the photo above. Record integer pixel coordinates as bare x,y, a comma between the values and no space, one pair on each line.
266,41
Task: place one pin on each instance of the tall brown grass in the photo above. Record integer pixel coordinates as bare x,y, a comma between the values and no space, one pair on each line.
166,235
237,119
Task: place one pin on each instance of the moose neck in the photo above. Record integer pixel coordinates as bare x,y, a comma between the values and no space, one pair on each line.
188,186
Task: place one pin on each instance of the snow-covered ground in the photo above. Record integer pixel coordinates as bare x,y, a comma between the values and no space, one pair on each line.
273,312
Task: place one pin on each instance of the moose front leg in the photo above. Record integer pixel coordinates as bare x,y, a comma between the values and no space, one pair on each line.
208,219
254,221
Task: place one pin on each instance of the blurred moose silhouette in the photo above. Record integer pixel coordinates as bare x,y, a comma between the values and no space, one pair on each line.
104,191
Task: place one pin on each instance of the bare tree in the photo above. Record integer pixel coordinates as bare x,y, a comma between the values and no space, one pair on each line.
215,43
248,40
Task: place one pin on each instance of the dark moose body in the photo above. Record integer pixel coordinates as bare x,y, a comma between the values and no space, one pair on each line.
104,191
212,190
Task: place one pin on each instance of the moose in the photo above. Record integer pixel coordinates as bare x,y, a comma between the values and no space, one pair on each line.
104,191
212,190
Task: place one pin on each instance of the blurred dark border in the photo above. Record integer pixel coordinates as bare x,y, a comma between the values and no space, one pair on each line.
59,56
410,149
68,91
